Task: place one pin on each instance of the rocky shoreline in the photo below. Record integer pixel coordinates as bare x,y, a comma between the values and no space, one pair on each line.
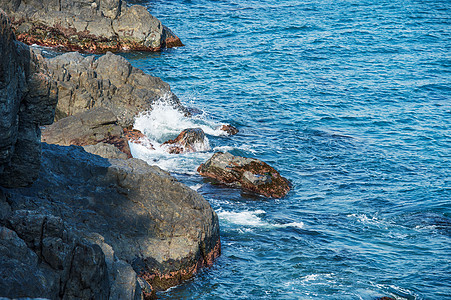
77,225
94,26
85,219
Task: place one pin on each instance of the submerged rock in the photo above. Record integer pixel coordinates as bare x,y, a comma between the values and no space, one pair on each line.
229,129
88,26
111,82
162,229
27,101
97,125
189,140
248,173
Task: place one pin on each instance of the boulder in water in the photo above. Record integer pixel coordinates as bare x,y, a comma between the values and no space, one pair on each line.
189,140
137,137
229,129
248,173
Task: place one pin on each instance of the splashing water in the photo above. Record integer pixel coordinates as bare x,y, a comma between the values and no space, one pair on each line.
164,122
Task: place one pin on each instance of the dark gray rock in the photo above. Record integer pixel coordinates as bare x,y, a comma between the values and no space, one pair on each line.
97,125
248,173
160,227
89,226
105,150
40,257
27,100
20,272
189,140
87,25
111,82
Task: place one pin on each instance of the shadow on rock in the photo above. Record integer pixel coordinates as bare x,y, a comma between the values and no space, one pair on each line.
139,213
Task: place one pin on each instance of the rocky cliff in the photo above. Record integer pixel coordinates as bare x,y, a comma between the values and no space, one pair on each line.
88,25
134,219
27,100
88,227
109,81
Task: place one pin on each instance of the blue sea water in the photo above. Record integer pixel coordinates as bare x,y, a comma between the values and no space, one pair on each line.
349,100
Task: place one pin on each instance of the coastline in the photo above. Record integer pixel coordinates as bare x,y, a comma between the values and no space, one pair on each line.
179,242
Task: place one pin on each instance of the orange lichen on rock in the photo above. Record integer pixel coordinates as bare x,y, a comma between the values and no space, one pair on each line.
161,282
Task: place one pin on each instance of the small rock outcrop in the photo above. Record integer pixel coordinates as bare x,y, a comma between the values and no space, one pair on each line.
109,81
248,173
157,227
97,125
88,26
27,101
229,129
189,140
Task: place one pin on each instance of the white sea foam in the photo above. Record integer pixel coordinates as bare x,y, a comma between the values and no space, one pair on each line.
196,187
246,218
246,148
164,122
253,219
364,219
324,278
186,163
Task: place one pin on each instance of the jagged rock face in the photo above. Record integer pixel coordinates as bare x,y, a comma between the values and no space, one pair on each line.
27,100
160,227
248,173
90,26
40,257
111,82
97,125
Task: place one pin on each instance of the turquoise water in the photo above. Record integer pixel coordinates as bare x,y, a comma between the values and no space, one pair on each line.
350,100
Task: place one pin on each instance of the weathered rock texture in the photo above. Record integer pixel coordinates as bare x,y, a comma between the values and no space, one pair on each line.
41,257
89,227
105,150
88,25
142,218
248,173
97,125
111,82
27,100
189,140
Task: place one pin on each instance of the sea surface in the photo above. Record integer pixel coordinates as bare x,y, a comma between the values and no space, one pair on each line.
349,100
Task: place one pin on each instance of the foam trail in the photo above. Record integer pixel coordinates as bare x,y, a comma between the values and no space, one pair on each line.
252,218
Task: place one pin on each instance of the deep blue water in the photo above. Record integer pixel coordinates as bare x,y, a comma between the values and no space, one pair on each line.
350,100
